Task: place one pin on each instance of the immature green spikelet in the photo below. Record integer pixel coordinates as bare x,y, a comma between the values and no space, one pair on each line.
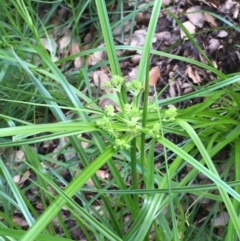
134,128
131,111
115,83
121,144
109,110
135,87
152,107
171,113
155,131
106,125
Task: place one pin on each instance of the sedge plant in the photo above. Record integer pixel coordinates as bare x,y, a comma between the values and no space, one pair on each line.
122,139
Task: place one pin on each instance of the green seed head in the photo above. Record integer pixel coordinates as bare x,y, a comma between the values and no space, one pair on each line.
155,131
121,144
171,113
109,110
135,87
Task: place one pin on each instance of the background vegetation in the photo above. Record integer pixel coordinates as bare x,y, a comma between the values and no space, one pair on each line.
43,100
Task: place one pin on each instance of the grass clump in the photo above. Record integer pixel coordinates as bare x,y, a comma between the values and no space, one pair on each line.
139,200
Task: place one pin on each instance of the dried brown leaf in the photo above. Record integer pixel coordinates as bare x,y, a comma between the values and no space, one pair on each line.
185,85
125,28
25,177
236,11
213,44
165,36
154,76
49,44
100,77
132,74
222,34
191,74
86,47
228,5
39,206
74,49
195,17
100,173
221,220
136,59
172,90
48,144
215,64
188,90
89,183
64,42
143,17
105,101
96,57
84,144
198,77
88,38
16,178
190,27
166,2
137,40
213,3
57,20
210,19
17,156
20,221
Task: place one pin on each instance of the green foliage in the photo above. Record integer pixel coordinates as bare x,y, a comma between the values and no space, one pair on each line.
125,141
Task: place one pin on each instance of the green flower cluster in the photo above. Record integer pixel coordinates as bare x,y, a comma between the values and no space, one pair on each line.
170,114
152,107
109,110
115,83
121,144
130,114
134,128
135,87
106,124
155,131
131,111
